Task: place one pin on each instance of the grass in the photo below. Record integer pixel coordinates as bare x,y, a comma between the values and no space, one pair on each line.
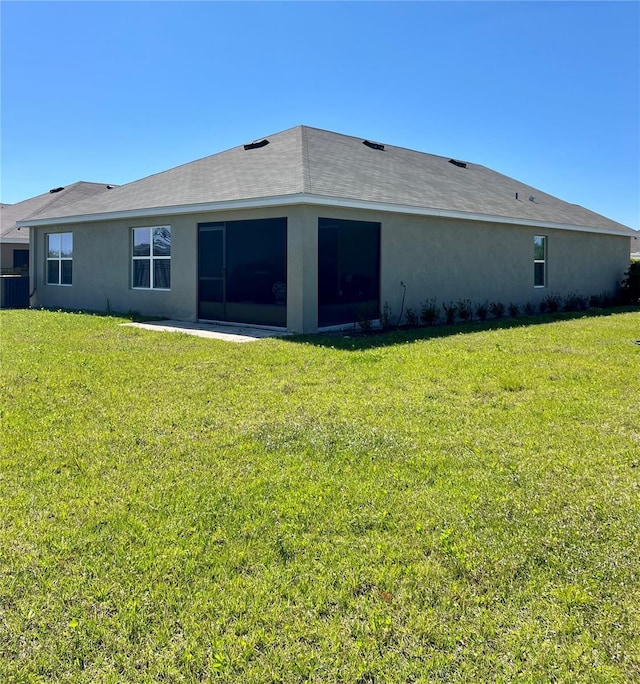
455,504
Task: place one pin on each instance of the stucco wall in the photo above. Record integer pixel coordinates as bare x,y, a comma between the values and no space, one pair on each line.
102,265
456,259
434,257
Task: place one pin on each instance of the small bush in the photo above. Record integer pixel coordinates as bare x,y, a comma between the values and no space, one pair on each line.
551,303
411,317
595,301
514,310
366,316
429,312
574,302
529,309
450,310
496,309
482,311
385,316
465,310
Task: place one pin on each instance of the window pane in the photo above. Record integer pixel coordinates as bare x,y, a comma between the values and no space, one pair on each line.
53,247
66,241
162,273
141,242
538,275
162,241
141,273
67,267
53,272
538,248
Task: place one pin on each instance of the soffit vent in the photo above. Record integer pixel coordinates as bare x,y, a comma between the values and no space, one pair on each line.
255,145
373,145
53,190
455,162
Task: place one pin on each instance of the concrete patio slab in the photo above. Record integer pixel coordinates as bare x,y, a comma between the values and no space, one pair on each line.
228,333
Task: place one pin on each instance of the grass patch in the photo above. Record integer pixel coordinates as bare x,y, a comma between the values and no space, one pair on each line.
443,508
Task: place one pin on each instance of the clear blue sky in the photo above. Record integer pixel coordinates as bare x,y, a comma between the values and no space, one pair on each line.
545,92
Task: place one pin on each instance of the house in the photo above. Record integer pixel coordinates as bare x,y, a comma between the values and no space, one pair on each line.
14,239
307,229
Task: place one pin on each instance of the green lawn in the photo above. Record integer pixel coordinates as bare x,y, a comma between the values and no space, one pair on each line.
455,504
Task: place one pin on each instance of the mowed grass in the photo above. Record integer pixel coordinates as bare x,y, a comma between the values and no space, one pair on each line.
452,505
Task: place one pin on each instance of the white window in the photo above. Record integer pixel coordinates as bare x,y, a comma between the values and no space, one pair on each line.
151,249
59,258
539,261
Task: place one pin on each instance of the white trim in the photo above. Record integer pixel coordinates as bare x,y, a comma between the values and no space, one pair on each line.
317,200
151,258
59,260
14,241
542,261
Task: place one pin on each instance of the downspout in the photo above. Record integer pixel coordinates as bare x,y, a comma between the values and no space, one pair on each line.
33,274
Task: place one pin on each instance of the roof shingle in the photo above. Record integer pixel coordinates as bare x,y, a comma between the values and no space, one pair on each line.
317,163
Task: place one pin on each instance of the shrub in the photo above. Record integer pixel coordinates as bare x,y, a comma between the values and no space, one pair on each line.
465,310
411,317
429,312
550,303
482,311
630,286
514,310
574,302
496,309
385,316
450,310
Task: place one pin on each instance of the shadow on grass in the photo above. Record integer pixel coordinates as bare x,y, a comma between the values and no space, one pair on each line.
354,339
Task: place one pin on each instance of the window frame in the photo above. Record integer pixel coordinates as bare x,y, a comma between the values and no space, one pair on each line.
59,259
542,261
151,258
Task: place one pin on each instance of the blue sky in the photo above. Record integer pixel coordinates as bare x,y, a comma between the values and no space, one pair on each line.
545,92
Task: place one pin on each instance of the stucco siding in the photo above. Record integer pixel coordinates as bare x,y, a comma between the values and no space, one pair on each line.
449,259
102,265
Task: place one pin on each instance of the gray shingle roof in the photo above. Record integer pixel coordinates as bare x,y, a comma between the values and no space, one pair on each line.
309,162
52,202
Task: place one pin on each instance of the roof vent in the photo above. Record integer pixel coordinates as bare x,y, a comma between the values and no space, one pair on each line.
373,145
532,198
256,144
110,187
55,190
455,162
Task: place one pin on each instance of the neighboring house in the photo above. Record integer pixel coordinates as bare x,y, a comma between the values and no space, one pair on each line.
307,229
635,246
14,240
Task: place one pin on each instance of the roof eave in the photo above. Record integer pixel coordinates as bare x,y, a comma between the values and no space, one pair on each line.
310,199
14,240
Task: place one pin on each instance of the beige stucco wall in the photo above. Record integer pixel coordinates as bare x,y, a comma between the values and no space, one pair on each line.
448,259
453,259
